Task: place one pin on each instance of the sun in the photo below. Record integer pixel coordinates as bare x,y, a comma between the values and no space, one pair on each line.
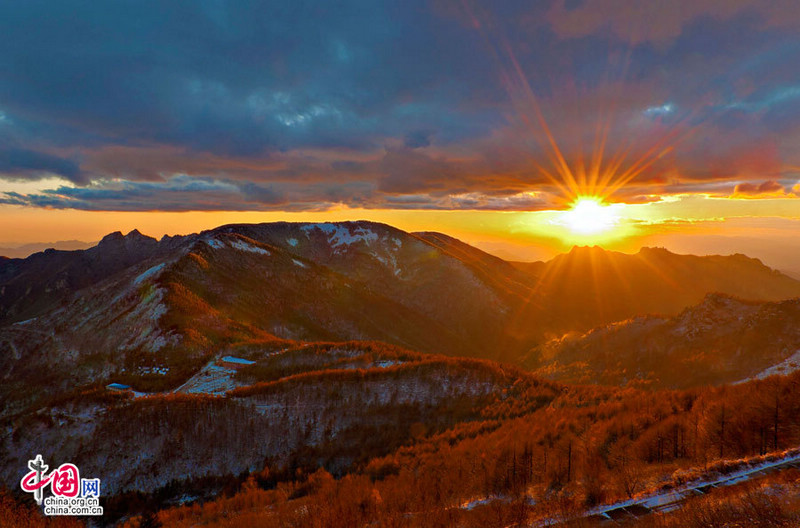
589,220
589,216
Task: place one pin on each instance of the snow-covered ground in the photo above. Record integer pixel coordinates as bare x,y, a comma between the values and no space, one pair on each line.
144,316
390,262
241,245
382,247
214,243
671,499
385,363
787,366
212,379
339,235
149,273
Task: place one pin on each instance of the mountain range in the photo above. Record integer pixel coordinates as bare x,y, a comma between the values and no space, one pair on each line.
366,350
133,303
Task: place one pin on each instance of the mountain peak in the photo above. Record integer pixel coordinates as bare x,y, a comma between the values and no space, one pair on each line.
133,237
584,254
116,236
586,250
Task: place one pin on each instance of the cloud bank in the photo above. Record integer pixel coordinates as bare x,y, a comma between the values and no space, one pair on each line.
209,105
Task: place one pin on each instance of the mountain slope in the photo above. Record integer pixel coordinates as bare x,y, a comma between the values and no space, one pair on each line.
590,286
133,304
41,282
287,410
722,339
311,294
173,305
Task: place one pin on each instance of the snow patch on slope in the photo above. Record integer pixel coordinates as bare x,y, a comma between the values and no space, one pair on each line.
787,366
241,245
214,243
339,236
143,319
382,247
386,363
149,273
390,262
212,379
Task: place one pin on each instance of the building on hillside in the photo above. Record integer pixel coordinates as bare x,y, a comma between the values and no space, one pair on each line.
235,362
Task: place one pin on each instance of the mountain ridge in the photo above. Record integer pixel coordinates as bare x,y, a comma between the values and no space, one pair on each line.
723,339
133,302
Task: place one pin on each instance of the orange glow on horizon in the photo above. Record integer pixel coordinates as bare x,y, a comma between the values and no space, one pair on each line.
679,222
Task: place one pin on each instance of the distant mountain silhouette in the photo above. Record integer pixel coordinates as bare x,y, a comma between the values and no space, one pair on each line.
590,286
29,249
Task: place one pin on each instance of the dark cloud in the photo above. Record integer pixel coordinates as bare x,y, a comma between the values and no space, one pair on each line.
29,164
212,105
183,193
235,78
180,193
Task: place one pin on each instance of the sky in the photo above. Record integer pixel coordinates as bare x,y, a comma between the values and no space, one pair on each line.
678,121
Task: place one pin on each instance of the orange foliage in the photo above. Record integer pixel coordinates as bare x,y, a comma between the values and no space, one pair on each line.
540,451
